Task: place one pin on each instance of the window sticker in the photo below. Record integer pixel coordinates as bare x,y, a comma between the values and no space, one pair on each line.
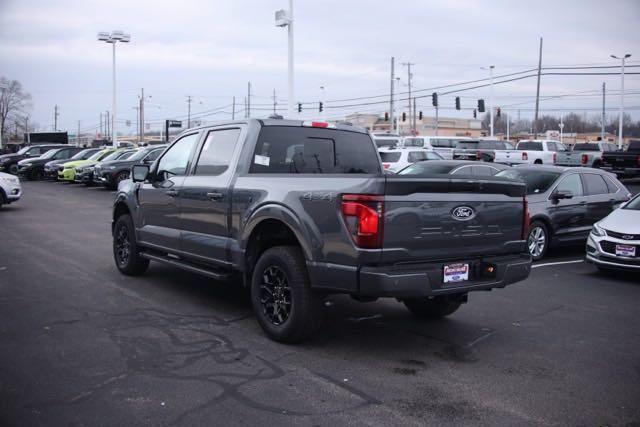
261,160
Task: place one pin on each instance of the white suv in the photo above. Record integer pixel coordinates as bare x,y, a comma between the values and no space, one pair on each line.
10,189
396,159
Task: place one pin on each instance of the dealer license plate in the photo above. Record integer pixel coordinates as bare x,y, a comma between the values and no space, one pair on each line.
626,250
454,273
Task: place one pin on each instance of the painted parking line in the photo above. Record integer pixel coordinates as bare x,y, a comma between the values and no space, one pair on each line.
575,261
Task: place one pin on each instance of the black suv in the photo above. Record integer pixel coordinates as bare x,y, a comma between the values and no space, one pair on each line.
111,173
34,168
9,162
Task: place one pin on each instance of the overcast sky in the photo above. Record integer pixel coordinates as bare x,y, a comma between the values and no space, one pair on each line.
211,49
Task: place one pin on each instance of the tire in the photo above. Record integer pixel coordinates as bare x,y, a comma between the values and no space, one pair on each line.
281,273
538,234
126,252
433,308
118,179
13,169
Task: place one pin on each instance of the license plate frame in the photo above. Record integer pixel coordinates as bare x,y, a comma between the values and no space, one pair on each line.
628,251
455,273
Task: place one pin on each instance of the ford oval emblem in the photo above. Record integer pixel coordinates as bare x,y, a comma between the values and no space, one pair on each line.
463,213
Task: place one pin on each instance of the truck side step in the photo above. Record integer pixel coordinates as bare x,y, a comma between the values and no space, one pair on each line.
166,259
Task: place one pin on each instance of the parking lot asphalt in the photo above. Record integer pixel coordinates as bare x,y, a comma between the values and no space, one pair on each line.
80,344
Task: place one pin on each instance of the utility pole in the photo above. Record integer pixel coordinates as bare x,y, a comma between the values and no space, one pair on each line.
622,58
535,120
414,116
409,75
137,120
248,99
142,115
603,115
393,82
78,135
275,102
246,116
233,109
491,67
55,118
26,129
107,130
189,111
506,116
101,123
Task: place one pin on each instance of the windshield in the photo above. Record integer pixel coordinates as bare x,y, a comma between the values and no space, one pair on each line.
97,155
634,204
424,168
136,155
114,156
585,147
24,150
536,181
49,154
82,155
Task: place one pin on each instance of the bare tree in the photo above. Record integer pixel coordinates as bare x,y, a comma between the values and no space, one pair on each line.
14,102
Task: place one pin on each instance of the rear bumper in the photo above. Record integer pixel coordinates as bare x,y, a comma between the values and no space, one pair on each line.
420,280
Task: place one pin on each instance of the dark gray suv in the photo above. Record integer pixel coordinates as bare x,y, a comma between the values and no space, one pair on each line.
565,202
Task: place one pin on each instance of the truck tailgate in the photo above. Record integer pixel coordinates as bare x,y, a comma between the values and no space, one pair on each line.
429,219
569,159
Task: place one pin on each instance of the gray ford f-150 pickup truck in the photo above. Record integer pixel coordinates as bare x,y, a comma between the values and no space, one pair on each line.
299,210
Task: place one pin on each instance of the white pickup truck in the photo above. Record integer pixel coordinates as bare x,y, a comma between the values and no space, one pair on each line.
535,151
586,154
443,145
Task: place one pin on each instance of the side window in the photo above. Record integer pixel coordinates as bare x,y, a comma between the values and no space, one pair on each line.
176,158
571,183
216,153
482,170
611,186
595,184
551,146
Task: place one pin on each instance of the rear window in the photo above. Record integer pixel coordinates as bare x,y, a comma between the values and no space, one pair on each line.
389,157
417,156
387,142
426,168
445,143
530,145
487,145
585,147
413,142
287,149
536,181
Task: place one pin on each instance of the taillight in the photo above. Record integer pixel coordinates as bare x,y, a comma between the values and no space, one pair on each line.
363,217
525,156
318,124
526,219
478,154
386,165
555,157
584,159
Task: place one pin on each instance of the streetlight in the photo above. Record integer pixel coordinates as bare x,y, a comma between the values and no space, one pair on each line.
491,67
621,97
284,18
113,38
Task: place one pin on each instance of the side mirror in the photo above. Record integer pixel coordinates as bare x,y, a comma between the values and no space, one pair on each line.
139,173
559,195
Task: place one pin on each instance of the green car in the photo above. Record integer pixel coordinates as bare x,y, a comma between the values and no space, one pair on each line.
84,172
67,171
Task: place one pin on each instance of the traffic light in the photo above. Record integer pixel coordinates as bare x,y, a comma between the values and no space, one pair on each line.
475,115
404,117
320,107
481,105
434,99
420,115
386,116
498,112
299,107
457,102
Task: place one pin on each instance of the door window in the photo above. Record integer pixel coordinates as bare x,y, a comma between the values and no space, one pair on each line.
216,153
571,183
595,184
483,170
464,170
417,156
176,158
611,186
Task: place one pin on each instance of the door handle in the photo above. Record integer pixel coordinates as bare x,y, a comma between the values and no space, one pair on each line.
215,196
171,193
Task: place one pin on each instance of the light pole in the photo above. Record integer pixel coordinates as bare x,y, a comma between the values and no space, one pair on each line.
113,38
621,97
491,67
284,18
